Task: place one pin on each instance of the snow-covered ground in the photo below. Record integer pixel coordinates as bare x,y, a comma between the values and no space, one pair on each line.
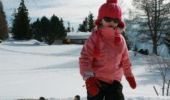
29,69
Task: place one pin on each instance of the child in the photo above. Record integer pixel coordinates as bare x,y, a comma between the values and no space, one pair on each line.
104,57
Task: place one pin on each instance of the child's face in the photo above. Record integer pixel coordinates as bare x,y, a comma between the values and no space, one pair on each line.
109,22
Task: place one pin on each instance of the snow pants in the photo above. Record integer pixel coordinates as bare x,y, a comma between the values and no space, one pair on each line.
108,92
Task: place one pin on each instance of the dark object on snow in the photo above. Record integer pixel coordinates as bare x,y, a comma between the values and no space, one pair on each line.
145,52
77,97
42,98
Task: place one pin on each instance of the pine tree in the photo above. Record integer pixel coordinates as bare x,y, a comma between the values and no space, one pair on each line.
49,30
3,24
62,30
54,29
21,26
36,30
81,28
84,26
68,27
45,28
90,22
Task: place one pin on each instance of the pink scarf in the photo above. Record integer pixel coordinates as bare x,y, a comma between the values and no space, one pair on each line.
111,35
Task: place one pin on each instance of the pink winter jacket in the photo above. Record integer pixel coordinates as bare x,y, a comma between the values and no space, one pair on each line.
105,56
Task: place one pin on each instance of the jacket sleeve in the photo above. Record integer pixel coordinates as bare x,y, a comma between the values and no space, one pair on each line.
86,57
126,63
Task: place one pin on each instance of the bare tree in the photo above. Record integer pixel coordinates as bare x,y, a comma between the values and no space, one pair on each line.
163,66
155,15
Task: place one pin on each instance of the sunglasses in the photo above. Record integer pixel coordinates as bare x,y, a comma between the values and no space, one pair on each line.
108,19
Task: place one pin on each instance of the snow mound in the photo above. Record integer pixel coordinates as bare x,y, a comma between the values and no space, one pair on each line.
78,35
31,42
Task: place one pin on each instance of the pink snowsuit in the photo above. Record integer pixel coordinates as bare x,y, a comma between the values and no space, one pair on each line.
105,56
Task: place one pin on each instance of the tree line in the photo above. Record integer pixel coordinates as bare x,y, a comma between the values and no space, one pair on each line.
43,29
48,30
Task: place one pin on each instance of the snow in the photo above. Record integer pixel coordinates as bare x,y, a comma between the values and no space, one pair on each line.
28,70
78,35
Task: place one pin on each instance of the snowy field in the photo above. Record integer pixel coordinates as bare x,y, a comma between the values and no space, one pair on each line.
29,69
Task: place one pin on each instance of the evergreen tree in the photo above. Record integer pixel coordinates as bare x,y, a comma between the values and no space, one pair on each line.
90,22
57,30
62,30
81,28
45,28
49,30
3,24
54,29
84,26
68,28
21,26
36,30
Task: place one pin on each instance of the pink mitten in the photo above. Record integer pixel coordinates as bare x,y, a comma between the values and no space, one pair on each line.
92,86
131,81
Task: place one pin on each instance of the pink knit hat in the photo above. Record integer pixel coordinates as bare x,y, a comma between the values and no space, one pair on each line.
109,9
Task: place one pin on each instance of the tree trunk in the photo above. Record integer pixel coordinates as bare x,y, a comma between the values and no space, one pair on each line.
156,91
154,45
155,49
163,87
167,94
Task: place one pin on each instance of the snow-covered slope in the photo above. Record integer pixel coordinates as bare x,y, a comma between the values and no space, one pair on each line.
30,71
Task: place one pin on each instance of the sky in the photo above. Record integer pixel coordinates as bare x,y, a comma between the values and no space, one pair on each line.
73,11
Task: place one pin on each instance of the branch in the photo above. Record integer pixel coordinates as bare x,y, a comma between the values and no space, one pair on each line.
156,91
148,17
167,94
